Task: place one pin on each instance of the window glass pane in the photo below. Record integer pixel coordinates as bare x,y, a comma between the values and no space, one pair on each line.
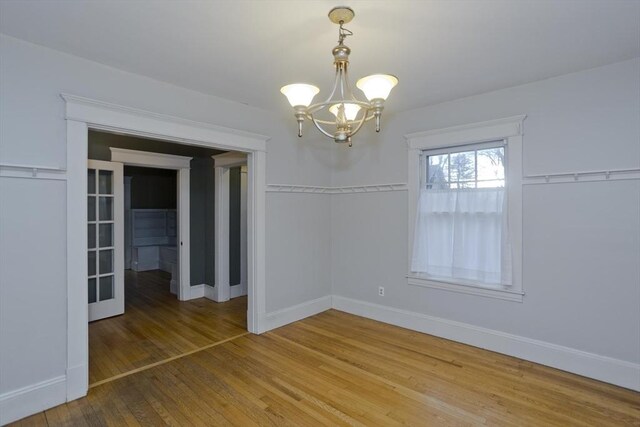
92,291
91,181
91,208
106,261
106,235
491,164
438,169
106,288
92,263
463,166
106,208
105,182
91,236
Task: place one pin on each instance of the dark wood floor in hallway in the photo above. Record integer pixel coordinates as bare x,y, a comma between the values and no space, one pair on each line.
339,369
156,326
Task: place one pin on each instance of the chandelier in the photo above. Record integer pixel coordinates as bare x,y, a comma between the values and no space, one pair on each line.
349,113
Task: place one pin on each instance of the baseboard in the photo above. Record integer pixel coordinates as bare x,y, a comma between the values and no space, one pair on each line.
29,400
235,291
288,315
607,369
196,291
77,382
208,292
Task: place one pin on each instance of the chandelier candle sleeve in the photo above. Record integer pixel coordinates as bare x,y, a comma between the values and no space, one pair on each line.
341,115
377,86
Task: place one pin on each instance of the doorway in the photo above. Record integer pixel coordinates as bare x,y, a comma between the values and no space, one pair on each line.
82,115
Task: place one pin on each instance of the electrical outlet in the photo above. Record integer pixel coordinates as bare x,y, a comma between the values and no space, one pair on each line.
381,291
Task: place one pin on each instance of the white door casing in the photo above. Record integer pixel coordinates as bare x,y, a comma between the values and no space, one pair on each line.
224,162
82,114
182,165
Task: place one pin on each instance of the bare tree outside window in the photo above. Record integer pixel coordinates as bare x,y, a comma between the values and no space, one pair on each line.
478,168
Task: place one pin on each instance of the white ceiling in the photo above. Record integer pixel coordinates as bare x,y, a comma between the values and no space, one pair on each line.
247,50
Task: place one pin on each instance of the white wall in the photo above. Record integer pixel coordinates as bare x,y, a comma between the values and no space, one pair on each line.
581,240
33,211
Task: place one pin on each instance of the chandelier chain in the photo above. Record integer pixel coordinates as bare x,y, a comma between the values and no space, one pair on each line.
343,33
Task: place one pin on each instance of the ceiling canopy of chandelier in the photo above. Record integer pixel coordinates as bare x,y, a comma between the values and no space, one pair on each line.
349,113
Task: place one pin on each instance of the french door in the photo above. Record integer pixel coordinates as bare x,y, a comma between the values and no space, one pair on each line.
105,239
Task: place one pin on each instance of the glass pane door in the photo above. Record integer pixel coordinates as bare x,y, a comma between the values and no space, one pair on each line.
104,203
100,235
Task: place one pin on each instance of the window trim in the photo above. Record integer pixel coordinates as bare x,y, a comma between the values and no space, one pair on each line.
510,130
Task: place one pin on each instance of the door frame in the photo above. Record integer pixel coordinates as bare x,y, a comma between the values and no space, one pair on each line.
83,114
182,165
222,165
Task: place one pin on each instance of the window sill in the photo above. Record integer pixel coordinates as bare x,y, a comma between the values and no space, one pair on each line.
503,294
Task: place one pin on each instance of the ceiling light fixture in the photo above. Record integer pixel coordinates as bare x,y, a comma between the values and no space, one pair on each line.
349,112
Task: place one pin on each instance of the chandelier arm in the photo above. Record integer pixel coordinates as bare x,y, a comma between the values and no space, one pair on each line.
367,116
315,122
335,86
343,81
319,106
349,90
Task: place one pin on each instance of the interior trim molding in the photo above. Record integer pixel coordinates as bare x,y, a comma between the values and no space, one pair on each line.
83,114
584,176
209,292
149,159
20,403
297,312
467,133
197,291
159,126
369,188
602,368
10,170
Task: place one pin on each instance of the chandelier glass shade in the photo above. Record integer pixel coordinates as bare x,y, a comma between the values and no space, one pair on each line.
341,115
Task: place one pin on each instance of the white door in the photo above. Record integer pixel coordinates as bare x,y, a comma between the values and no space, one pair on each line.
105,242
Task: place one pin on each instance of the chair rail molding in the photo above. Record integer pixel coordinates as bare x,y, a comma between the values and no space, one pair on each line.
11,170
369,188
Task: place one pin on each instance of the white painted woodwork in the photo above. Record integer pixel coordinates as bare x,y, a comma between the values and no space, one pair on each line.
510,130
223,289
182,165
82,113
114,304
127,222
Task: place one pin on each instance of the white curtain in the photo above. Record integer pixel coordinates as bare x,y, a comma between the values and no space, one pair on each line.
463,234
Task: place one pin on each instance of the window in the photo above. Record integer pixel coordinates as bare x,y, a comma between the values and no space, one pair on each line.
465,209
461,231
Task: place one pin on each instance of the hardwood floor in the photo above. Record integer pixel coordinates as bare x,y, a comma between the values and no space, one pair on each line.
156,326
339,369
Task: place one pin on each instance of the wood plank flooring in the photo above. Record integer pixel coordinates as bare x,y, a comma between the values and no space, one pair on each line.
156,326
339,369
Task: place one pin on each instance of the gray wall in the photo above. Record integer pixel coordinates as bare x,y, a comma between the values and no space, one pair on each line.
152,188
581,241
